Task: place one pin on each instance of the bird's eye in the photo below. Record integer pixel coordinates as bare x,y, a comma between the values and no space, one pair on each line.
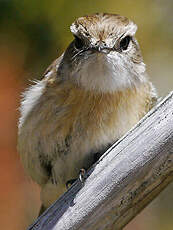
78,42
125,42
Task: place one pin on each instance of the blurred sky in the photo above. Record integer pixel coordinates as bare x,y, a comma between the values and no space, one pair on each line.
32,34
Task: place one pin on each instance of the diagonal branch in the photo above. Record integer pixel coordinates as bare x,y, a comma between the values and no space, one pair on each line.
126,178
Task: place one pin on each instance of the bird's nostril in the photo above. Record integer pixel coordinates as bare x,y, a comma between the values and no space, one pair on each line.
100,45
104,43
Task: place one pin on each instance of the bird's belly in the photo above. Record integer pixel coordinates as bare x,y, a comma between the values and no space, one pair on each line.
84,146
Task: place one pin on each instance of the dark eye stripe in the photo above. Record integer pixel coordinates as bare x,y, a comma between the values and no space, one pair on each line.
78,42
124,43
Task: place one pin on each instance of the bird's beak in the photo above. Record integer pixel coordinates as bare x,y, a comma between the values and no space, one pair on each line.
101,47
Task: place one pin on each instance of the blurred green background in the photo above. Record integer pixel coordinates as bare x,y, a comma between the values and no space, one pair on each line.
32,34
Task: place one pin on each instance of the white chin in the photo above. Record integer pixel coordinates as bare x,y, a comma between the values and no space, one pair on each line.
106,73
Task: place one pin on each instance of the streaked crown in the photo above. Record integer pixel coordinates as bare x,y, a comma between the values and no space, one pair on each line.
102,26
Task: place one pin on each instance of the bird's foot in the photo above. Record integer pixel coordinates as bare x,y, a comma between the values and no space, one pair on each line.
70,182
82,177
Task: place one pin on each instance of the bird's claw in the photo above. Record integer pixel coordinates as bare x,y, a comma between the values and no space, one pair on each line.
82,175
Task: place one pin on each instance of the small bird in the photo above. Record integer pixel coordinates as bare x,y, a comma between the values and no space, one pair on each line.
88,98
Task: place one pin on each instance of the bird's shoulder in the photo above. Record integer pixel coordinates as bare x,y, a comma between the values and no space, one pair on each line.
51,71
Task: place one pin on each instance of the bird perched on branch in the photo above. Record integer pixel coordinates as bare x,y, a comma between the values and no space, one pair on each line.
88,98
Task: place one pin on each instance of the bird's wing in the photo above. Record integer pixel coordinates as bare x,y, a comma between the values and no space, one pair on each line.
52,69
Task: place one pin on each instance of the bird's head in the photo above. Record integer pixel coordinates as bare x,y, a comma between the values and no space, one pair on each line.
104,55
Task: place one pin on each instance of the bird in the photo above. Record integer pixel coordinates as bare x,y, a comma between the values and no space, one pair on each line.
87,99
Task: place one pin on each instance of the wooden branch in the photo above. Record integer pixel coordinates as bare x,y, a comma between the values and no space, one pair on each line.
126,178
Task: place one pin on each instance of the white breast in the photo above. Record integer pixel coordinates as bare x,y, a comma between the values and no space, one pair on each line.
109,73
30,99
